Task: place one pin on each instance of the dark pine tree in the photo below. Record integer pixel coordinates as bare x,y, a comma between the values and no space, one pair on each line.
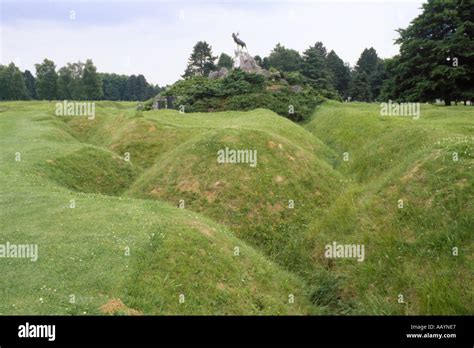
30,83
341,73
201,61
436,54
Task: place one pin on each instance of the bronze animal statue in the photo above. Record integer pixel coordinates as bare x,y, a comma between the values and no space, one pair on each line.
238,41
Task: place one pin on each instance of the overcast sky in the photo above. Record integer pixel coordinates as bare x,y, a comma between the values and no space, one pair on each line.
155,37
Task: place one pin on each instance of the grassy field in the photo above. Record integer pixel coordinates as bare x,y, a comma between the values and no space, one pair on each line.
249,240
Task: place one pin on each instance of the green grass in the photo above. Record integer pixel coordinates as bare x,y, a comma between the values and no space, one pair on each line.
133,204
409,250
82,250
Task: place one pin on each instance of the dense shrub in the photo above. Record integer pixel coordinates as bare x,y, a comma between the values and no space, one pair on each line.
244,91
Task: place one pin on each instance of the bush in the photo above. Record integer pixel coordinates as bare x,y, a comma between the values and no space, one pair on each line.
147,105
294,78
243,91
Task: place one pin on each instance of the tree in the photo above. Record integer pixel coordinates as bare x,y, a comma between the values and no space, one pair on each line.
77,85
91,81
359,87
368,60
12,83
370,64
389,88
201,61
316,70
258,60
141,87
122,87
265,63
130,89
284,59
114,86
436,54
225,61
70,81
65,83
30,83
341,74
46,80
152,91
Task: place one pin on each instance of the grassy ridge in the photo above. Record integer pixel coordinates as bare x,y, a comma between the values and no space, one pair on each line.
254,202
82,250
408,251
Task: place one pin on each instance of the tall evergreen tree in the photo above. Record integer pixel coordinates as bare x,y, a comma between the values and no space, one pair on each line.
389,88
368,61
30,83
201,61
436,54
372,66
141,87
359,87
225,61
341,73
316,70
46,80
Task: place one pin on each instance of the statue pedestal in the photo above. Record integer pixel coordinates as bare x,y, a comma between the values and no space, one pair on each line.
244,61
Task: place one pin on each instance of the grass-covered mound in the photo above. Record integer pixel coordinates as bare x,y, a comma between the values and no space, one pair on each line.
357,203
410,249
268,205
408,202
116,255
92,170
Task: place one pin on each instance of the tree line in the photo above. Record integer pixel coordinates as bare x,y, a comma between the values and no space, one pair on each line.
324,71
74,81
436,61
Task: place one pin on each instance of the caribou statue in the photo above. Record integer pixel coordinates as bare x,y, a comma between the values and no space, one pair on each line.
238,41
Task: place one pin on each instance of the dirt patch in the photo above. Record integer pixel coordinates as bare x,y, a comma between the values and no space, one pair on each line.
204,229
412,172
210,196
415,170
116,305
271,144
279,178
219,184
276,208
189,186
213,191
156,191
461,183
152,129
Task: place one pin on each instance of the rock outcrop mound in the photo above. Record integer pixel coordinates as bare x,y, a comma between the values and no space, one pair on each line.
244,61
